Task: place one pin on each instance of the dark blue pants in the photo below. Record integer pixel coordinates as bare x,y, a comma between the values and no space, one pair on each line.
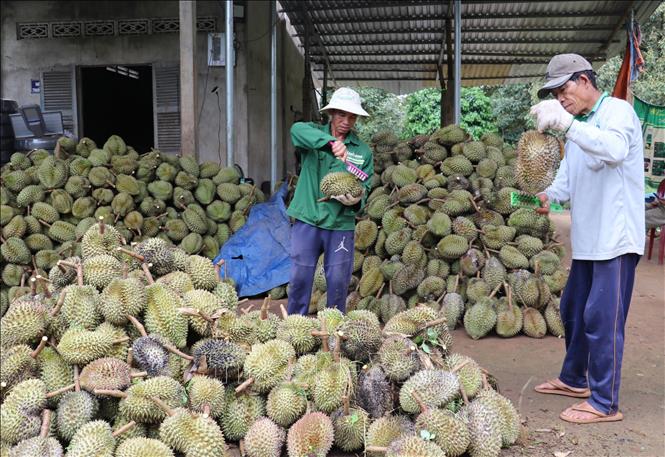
594,306
307,243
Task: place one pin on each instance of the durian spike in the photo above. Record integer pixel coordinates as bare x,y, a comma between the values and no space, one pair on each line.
123,429
347,406
146,272
42,345
77,381
135,322
138,257
264,308
111,393
496,289
102,227
324,339
283,310
138,374
381,449
419,400
464,396
130,356
62,390
248,382
46,422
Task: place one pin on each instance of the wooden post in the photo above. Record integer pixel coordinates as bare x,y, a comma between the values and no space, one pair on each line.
188,77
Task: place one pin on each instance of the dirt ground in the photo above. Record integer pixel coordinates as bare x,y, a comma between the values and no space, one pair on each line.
521,362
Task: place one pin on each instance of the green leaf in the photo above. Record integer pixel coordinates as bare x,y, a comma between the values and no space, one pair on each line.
426,349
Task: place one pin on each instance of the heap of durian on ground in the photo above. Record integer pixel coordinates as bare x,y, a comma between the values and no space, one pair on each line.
439,230
49,201
142,351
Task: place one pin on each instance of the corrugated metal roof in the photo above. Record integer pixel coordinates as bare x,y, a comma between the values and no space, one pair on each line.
398,44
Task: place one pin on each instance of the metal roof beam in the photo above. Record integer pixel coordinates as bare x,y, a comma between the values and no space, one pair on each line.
417,78
469,40
516,15
571,28
358,5
431,52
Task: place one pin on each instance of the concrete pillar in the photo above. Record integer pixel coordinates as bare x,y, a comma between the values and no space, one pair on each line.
188,77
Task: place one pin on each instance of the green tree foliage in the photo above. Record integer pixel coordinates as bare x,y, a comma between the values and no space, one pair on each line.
386,110
510,107
423,112
477,116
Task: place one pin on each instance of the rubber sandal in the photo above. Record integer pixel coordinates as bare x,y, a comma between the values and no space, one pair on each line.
560,388
598,417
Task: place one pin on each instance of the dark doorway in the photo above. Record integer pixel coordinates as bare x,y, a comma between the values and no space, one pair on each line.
117,99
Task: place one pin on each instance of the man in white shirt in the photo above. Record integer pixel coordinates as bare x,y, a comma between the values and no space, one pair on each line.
602,175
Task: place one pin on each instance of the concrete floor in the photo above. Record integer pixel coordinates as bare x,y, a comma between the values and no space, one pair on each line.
521,362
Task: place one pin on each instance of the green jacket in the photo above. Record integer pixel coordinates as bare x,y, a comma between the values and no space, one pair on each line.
317,161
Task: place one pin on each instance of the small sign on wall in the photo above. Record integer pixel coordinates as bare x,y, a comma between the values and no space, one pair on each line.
35,86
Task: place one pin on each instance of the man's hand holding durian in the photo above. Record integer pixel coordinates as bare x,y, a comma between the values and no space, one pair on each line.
550,114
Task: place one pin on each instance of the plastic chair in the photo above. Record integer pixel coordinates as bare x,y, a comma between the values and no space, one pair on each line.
652,232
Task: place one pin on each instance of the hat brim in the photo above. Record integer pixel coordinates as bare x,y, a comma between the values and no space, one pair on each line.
344,107
553,84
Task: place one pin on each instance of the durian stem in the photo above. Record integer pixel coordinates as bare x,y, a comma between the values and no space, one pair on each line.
77,380
324,339
347,406
135,322
283,310
378,294
323,199
248,309
244,385
416,396
123,429
124,339
203,365
125,270
45,282
241,446
173,350
111,393
79,274
435,322
33,286
61,268
509,292
42,345
102,227
46,422
338,346
486,383
206,409
130,356
138,257
464,396
62,390
496,289
43,222
139,374
381,449
438,300
264,308
146,272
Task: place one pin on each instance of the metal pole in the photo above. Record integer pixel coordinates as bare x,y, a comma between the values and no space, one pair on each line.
273,95
458,60
229,82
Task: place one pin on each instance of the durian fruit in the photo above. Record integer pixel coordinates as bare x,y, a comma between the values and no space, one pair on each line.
240,413
435,387
41,445
162,316
286,402
312,435
374,393
138,404
17,364
202,272
538,157
120,298
534,323
361,338
140,446
333,382
509,419
192,434
106,373
509,319
267,363
350,425
398,358
297,330
264,439
224,359
413,446
204,304
553,319
468,371
100,270
149,354
449,430
484,429
80,346
384,431
19,413
75,409
206,395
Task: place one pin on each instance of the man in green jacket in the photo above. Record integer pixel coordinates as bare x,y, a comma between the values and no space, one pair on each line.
326,226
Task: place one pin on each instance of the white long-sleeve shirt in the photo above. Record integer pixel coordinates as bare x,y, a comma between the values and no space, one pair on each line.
602,174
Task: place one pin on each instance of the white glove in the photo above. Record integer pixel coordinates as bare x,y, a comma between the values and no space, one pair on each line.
551,115
347,199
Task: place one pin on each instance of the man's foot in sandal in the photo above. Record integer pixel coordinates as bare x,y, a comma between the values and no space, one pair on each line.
557,387
584,413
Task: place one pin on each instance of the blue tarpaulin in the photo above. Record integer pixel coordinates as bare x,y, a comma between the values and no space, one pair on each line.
257,256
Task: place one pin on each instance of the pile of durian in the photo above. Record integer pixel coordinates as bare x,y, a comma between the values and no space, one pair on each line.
439,230
140,351
49,201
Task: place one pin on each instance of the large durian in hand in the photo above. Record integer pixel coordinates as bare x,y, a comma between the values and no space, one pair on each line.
340,183
538,157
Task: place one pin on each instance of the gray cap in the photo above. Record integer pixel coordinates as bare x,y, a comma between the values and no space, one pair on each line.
561,69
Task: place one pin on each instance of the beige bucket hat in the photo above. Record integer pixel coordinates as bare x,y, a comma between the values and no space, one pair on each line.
346,99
